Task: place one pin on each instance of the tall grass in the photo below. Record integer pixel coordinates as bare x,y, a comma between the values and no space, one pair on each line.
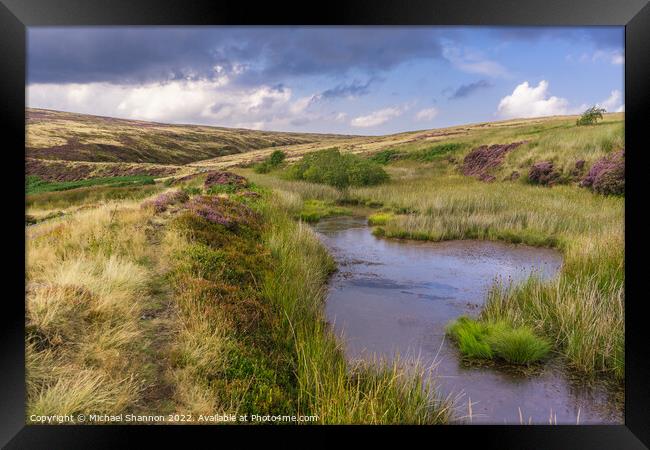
327,385
87,282
581,311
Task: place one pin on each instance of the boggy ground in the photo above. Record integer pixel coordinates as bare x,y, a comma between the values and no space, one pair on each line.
429,198
131,308
196,304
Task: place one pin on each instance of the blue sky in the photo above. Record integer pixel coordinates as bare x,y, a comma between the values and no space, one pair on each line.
356,80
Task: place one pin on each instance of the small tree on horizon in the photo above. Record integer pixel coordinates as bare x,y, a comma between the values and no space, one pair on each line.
591,116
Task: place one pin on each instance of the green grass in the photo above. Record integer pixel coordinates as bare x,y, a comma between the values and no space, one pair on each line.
385,156
255,338
89,195
35,185
581,311
315,210
488,340
381,218
327,385
435,152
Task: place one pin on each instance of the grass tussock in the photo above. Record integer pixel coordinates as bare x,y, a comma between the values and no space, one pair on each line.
488,340
381,218
87,279
314,210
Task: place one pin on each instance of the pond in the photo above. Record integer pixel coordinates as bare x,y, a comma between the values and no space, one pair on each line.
393,297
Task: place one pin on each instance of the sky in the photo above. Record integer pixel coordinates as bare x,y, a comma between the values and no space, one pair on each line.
351,80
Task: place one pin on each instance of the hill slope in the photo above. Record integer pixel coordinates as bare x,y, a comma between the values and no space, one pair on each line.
55,135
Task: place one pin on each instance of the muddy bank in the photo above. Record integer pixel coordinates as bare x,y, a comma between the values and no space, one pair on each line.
394,296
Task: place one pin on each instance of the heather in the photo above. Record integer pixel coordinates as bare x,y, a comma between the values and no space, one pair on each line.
167,199
223,211
581,312
224,178
543,173
607,175
482,161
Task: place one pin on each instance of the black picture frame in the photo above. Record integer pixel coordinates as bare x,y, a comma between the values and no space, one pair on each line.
16,15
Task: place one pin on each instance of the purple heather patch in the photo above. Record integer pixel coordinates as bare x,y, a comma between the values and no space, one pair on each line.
167,199
222,178
222,211
607,175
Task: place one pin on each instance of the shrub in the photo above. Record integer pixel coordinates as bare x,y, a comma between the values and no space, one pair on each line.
607,175
225,178
274,160
162,202
482,160
277,158
263,167
341,171
223,211
385,156
488,340
543,173
590,116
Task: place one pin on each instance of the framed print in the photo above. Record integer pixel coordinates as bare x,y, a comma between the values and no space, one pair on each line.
366,217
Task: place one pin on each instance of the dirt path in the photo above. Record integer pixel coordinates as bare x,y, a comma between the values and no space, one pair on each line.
160,325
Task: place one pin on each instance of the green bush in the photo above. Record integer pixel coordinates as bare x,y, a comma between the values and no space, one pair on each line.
273,161
336,169
385,156
590,116
488,340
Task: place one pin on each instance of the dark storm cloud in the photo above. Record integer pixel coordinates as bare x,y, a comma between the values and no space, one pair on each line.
600,36
467,89
141,54
354,89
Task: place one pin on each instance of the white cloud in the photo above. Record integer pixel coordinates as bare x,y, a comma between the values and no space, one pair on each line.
529,101
613,103
377,117
340,117
472,61
616,57
426,114
207,102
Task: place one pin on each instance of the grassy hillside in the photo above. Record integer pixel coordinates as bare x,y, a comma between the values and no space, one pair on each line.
66,136
429,198
150,291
